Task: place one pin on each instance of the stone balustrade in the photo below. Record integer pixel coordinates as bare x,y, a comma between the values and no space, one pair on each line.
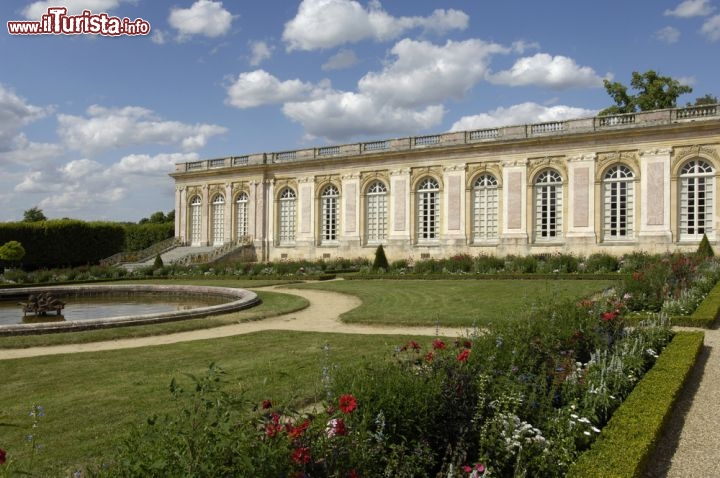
582,125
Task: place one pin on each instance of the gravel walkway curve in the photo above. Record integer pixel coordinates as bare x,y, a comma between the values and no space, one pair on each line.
689,448
321,316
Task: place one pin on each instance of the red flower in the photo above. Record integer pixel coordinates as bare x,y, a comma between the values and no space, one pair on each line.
274,427
463,356
347,403
353,474
301,455
429,357
438,344
3,455
637,275
412,345
266,404
294,432
608,316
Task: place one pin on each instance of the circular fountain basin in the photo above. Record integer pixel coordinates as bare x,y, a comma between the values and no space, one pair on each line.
234,300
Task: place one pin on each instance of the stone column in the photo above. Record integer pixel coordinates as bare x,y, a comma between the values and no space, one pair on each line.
453,205
265,215
514,213
306,211
228,216
655,197
350,210
399,210
205,219
581,200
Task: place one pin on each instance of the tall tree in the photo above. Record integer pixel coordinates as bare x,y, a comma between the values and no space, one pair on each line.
653,92
34,215
708,99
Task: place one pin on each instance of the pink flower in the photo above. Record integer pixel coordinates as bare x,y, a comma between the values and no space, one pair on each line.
336,427
463,356
347,403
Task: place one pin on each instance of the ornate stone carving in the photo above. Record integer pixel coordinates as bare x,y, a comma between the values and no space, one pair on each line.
605,159
475,170
706,151
455,167
535,165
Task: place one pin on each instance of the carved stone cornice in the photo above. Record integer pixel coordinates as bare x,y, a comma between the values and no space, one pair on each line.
706,151
605,159
582,158
454,167
656,152
400,172
350,176
509,163
558,163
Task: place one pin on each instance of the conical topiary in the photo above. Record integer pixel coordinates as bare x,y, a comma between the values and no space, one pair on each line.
381,261
705,249
158,262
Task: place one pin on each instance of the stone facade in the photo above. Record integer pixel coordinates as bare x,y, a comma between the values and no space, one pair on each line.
645,181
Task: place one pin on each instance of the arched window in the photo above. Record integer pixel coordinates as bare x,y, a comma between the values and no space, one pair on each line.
548,205
485,208
218,220
329,214
696,199
286,217
241,215
195,222
376,212
428,210
618,203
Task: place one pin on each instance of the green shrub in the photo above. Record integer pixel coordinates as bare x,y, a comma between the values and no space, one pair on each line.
601,262
627,441
158,262
704,248
142,236
380,261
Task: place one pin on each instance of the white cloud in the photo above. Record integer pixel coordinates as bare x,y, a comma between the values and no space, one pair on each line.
204,17
16,112
524,113
256,88
557,72
323,24
711,28
28,153
668,35
158,36
342,115
691,8
426,74
36,10
522,46
88,186
110,128
341,60
261,51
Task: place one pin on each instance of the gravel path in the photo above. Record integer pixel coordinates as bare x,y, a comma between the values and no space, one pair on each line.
321,316
690,447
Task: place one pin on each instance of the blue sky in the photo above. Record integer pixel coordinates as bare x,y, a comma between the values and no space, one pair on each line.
90,126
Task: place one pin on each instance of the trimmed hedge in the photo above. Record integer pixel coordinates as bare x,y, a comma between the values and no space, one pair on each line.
499,276
627,442
706,314
62,243
142,236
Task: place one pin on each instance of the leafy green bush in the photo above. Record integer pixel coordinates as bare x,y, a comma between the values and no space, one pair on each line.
601,262
142,236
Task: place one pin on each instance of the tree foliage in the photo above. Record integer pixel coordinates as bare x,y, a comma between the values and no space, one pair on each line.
12,251
34,214
708,99
653,92
158,217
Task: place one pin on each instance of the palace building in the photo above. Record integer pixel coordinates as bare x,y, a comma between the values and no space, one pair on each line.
635,182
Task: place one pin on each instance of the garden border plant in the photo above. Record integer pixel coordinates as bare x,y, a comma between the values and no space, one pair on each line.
628,440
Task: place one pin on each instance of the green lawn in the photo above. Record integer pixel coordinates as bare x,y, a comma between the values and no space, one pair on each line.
91,399
453,302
